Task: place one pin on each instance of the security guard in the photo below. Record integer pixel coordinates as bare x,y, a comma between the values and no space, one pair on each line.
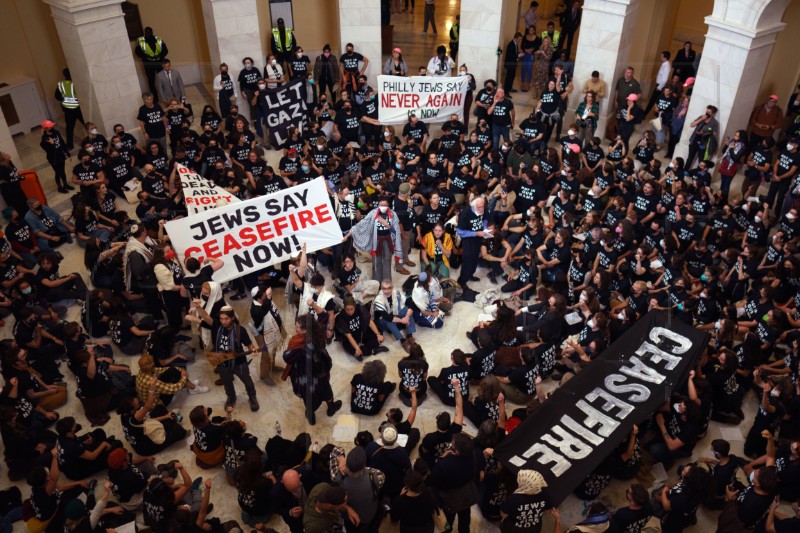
454,31
65,93
283,43
152,50
555,37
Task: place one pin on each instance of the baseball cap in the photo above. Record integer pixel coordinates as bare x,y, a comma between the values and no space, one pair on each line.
48,124
633,97
773,97
292,151
688,82
398,50
574,148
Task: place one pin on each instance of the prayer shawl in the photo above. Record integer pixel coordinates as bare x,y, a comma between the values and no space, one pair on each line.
365,234
143,249
214,296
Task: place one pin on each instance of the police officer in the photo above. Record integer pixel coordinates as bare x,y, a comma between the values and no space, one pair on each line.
152,50
65,93
283,43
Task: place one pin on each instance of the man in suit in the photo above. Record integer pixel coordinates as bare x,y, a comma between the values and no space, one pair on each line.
513,55
169,84
572,19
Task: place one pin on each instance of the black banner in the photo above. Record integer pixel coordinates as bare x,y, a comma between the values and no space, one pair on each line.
285,108
587,418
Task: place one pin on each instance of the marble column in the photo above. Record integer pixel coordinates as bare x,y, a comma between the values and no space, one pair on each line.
730,75
603,45
479,38
360,24
7,143
98,52
233,34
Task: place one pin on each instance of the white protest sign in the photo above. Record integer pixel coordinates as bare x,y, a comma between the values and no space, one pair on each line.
431,99
201,194
251,235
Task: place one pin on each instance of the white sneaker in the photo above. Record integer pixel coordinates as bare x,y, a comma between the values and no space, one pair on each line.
198,389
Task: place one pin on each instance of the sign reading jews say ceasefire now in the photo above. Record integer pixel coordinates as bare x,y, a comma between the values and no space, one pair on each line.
584,421
429,98
251,235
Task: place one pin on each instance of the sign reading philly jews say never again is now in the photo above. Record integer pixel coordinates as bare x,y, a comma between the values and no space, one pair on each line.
254,234
431,99
201,194
584,421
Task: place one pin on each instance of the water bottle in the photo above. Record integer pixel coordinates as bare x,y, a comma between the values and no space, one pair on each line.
277,428
315,447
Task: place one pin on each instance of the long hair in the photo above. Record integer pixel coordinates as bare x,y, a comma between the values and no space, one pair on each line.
489,389
506,323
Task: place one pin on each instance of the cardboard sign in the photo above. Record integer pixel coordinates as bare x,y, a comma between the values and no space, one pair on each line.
251,235
431,99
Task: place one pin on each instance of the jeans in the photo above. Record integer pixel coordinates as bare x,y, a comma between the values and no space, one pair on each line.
242,371
394,328
500,131
59,231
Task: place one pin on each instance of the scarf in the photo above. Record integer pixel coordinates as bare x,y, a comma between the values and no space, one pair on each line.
530,482
143,249
430,247
213,297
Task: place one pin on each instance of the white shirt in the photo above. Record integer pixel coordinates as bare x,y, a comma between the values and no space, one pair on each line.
435,65
663,75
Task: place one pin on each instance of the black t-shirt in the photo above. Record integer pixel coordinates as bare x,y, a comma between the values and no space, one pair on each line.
412,373
153,119
364,395
436,443
299,66
194,282
126,483
208,438
524,512
414,513
354,324
350,61
501,114
752,507
348,125
627,520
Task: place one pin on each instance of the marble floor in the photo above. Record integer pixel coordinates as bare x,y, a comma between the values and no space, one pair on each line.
278,403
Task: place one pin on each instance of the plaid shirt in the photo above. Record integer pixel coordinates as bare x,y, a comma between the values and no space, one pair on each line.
143,385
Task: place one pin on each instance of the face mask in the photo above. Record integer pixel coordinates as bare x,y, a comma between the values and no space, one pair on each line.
618,229
248,66
273,62
299,55
304,168
27,290
590,323
117,145
93,131
790,217
757,218
326,54
752,477
320,146
505,148
678,407
383,208
791,147
170,254
398,166
774,393
347,109
262,86
90,150
746,208
621,316
583,297
314,290
463,72
662,243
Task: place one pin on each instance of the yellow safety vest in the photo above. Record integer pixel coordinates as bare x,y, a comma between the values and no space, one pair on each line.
149,52
555,39
68,93
454,29
288,39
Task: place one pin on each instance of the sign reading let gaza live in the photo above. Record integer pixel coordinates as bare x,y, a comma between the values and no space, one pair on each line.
285,109
254,234
431,99
585,420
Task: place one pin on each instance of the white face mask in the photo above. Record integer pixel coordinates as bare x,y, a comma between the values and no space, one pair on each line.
320,146
583,297
621,316
746,207
349,198
662,243
591,192
590,323
774,393
757,218
93,131
314,290
273,62
387,134
90,150
790,216
703,295
463,72
117,145
678,407
383,208
791,147
262,86
299,55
